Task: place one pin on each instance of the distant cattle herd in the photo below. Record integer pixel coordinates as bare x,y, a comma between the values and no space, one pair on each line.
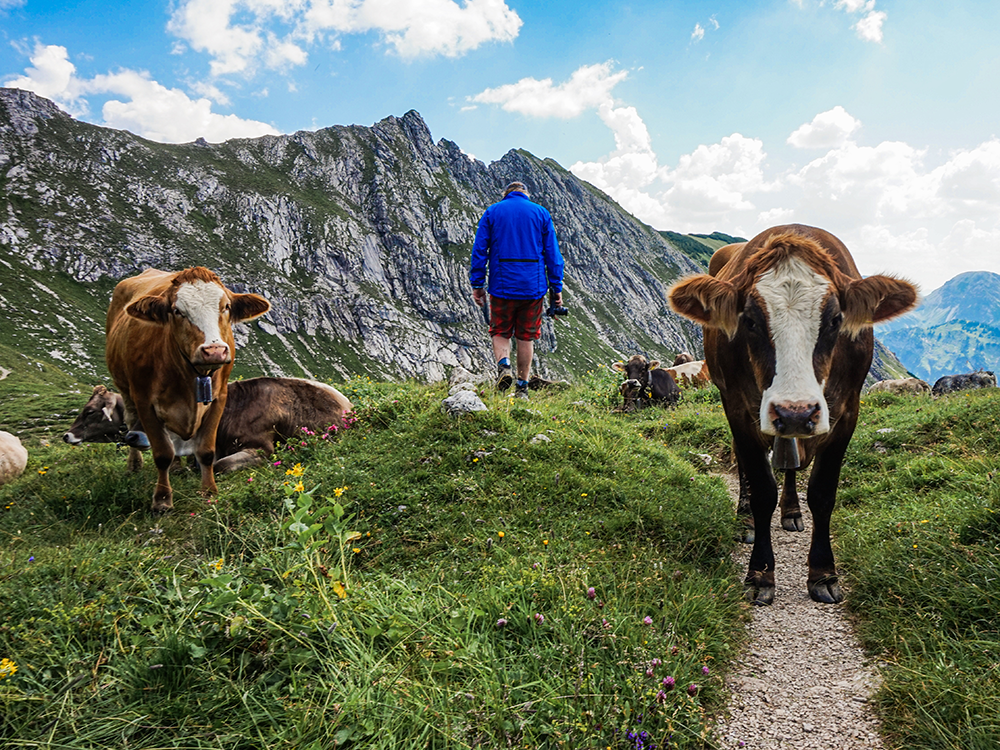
787,330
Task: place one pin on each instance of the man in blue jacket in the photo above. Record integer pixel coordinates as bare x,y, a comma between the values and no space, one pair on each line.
516,243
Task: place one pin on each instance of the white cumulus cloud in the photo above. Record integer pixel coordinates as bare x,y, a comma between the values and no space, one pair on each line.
827,130
146,108
587,88
869,28
52,75
240,35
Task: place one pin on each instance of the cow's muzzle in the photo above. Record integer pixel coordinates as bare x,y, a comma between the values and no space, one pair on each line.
629,385
795,419
212,355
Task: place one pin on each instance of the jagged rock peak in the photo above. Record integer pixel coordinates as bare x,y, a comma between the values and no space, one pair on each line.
23,107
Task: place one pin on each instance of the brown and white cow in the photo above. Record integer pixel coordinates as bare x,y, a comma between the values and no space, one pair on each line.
682,358
787,322
259,412
170,351
694,373
645,384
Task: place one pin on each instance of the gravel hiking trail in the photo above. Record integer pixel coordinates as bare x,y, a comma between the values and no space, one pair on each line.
804,681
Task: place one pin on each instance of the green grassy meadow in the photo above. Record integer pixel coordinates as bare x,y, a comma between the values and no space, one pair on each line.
425,581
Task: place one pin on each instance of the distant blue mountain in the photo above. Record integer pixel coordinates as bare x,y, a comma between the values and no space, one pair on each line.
955,329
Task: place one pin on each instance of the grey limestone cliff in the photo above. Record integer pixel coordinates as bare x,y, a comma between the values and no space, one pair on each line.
359,236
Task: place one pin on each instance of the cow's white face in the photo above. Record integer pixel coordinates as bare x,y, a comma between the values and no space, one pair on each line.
793,295
201,304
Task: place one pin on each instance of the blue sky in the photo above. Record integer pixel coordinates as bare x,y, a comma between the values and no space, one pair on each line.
875,119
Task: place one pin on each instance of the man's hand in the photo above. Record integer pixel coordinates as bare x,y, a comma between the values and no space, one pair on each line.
479,296
556,299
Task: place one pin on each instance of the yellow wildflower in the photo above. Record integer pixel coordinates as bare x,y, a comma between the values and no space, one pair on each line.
7,668
295,471
339,491
300,487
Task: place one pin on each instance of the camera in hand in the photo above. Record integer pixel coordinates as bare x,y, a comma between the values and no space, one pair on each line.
556,310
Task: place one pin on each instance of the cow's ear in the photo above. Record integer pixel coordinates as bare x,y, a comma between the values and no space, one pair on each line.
151,309
620,366
654,364
875,300
706,300
248,307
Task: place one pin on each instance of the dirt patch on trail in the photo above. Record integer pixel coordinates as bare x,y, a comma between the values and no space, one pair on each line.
804,681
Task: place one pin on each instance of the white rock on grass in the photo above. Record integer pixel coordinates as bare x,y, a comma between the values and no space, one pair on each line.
463,402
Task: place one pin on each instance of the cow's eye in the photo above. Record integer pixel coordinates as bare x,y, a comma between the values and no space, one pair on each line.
835,322
176,311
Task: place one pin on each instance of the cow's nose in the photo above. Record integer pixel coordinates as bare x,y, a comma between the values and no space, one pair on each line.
795,419
215,354
70,438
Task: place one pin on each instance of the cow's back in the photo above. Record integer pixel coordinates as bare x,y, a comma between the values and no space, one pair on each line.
260,411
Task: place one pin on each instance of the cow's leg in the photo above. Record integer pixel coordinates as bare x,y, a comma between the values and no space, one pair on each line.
134,461
206,445
763,491
743,505
822,581
162,449
791,513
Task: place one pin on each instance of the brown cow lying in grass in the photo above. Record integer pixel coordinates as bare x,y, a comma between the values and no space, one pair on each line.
259,412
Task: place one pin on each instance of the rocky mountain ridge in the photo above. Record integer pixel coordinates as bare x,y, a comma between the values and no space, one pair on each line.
359,236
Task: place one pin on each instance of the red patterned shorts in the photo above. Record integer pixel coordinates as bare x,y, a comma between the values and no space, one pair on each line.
521,318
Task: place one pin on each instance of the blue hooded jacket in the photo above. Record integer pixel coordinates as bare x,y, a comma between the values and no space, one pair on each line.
517,240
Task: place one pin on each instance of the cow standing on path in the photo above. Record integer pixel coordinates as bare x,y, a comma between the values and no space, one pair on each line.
170,352
787,323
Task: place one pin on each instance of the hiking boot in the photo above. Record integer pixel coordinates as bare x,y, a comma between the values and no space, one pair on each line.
521,392
504,378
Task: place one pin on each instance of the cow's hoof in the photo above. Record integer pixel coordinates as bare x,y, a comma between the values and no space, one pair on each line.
759,596
826,591
759,587
793,524
136,439
161,505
